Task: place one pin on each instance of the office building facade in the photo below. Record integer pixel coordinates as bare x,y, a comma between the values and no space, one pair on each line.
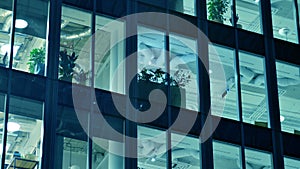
76,75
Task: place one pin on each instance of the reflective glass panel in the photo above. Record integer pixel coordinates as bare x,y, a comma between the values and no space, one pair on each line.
284,20
248,15
183,70
185,152
253,89
222,82
288,80
109,54
151,148
30,36
291,163
226,155
5,21
183,6
219,11
258,159
75,46
24,132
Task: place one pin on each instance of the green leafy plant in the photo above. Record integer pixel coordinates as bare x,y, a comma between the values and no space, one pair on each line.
68,69
216,9
36,58
158,76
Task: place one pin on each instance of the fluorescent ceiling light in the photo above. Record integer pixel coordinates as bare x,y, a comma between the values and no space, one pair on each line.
13,126
281,118
210,71
21,23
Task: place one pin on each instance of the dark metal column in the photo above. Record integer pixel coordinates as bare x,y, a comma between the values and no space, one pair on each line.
271,84
51,93
130,68
206,148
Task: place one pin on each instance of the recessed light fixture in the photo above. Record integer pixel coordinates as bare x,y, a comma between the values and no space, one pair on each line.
6,49
13,126
281,118
210,71
256,1
153,159
21,23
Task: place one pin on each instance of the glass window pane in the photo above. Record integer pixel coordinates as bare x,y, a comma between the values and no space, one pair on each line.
5,20
288,80
185,152
74,154
183,61
222,82
183,6
248,15
226,155
74,57
24,132
2,111
71,142
284,20
30,37
253,89
258,159
109,55
219,11
151,148
291,163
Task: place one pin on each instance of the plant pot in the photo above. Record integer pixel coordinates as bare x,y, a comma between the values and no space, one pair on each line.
144,89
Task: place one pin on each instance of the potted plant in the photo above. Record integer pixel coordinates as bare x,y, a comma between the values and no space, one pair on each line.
148,80
36,61
216,10
68,69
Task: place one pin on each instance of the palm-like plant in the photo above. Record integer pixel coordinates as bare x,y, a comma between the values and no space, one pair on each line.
36,60
66,65
216,9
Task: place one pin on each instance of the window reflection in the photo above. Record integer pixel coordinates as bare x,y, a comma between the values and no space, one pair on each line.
222,82
226,155
288,80
24,132
183,6
109,54
185,153
253,89
30,37
151,148
258,159
74,57
5,20
284,20
291,163
219,11
248,15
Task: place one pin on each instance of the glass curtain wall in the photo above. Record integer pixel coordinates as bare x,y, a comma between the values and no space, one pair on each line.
185,151
284,20
29,49
75,46
219,11
258,159
248,15
291,163
226,155
253,89
109,62
222,82
24,133
6,21
288,81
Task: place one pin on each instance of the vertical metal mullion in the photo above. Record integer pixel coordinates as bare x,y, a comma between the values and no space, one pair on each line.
130,68
272,90
92,88
206,148
7,98
238,85
50,140
297,19
169,110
